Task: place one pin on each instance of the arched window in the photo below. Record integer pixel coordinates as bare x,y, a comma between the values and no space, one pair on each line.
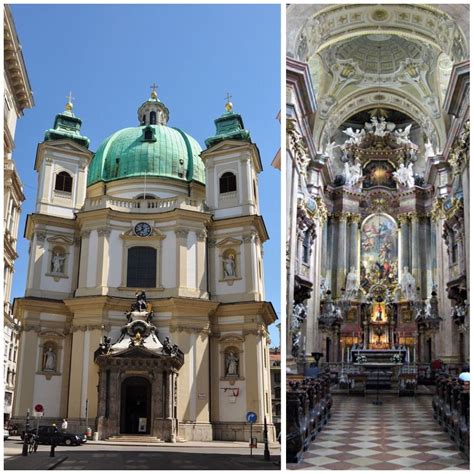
63,182
227,183
141,267
153,118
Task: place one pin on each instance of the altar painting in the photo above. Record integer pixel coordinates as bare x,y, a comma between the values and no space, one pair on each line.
379,252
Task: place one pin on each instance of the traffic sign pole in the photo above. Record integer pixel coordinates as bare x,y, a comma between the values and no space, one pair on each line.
251,418
251,439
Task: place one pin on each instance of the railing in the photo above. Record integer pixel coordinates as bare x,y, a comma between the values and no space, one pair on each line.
142,205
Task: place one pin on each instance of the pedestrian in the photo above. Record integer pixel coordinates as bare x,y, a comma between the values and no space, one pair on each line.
464,376
64,425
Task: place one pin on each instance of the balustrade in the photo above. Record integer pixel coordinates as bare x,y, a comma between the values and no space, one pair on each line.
140,205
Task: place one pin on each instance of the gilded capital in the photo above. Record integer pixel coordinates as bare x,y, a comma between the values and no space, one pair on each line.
404,219
354,218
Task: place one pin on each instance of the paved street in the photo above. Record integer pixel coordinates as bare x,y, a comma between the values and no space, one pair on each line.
102,456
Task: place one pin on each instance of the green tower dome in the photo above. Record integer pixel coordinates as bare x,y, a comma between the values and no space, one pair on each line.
152,149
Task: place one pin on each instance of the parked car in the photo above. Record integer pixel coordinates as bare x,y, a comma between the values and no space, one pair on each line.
6,434
47,433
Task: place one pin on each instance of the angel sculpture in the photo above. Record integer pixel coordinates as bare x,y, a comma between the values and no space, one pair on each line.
404,176
380,125
352,173
330,147
355,137
429,151
402,135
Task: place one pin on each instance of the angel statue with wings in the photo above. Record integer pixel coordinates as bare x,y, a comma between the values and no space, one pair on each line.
402,135
355,137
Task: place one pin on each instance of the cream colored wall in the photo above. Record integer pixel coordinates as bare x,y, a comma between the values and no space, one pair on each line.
193,379
52,158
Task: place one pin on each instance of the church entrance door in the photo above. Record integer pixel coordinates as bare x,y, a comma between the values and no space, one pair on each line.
135,409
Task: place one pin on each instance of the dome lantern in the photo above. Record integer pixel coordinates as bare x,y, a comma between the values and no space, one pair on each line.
153,111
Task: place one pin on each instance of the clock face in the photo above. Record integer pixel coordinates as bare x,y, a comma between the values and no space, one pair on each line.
142,229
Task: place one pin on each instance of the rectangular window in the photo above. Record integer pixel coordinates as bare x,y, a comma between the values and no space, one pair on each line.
141,267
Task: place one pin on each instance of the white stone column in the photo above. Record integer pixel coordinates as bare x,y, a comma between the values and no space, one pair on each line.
181,259
103,260
354,220
404,250
83,264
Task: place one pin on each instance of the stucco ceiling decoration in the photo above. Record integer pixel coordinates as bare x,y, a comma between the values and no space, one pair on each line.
378,54
389,55
420,23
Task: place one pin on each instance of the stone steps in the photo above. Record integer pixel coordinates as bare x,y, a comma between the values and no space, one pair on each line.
134,439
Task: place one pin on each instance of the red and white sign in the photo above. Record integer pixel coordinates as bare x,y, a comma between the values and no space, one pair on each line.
39,408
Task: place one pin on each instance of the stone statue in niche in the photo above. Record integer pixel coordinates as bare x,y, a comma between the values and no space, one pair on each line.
229,266
57,263
49,360
404,176
352,287
408,284
232,364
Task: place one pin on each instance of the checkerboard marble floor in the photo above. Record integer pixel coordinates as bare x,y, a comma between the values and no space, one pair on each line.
400,434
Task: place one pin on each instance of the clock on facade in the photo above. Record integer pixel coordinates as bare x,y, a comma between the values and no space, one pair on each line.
142,229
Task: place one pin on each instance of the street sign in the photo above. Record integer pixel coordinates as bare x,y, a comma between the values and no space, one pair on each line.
251,417
39,408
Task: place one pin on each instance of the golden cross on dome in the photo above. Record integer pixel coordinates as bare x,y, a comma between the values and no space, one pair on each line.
154,94
228,105
69,98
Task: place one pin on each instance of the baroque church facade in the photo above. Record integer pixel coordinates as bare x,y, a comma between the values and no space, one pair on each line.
144,308
378,179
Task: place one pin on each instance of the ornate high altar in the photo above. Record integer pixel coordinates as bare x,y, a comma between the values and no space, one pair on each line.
378,299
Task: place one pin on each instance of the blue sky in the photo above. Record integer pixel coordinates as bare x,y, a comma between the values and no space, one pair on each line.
109,55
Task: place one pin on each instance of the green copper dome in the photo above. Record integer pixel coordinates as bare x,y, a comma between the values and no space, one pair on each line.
152,149
164,152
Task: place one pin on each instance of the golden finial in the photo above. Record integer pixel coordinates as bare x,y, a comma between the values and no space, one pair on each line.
228,105
69,105
153,94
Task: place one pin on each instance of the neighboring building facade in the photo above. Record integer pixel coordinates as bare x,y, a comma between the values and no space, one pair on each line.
17,98
147,211
377,179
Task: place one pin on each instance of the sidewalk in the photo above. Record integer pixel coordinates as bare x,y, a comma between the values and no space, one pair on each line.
185,444
37,461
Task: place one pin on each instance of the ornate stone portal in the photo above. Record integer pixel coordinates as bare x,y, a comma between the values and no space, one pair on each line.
138,379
